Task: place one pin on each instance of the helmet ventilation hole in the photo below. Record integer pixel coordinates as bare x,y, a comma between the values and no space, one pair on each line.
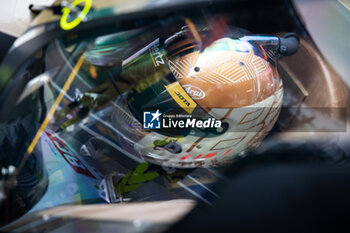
173,147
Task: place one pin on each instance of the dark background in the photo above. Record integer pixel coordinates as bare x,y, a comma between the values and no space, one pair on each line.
5,43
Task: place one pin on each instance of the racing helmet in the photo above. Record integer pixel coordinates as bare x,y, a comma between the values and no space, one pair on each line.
230,85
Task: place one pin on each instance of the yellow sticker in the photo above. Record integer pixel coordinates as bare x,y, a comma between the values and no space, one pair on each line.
66,10
181,97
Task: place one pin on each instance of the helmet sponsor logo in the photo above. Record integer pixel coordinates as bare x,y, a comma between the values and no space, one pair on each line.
157,56
181,97
195,92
